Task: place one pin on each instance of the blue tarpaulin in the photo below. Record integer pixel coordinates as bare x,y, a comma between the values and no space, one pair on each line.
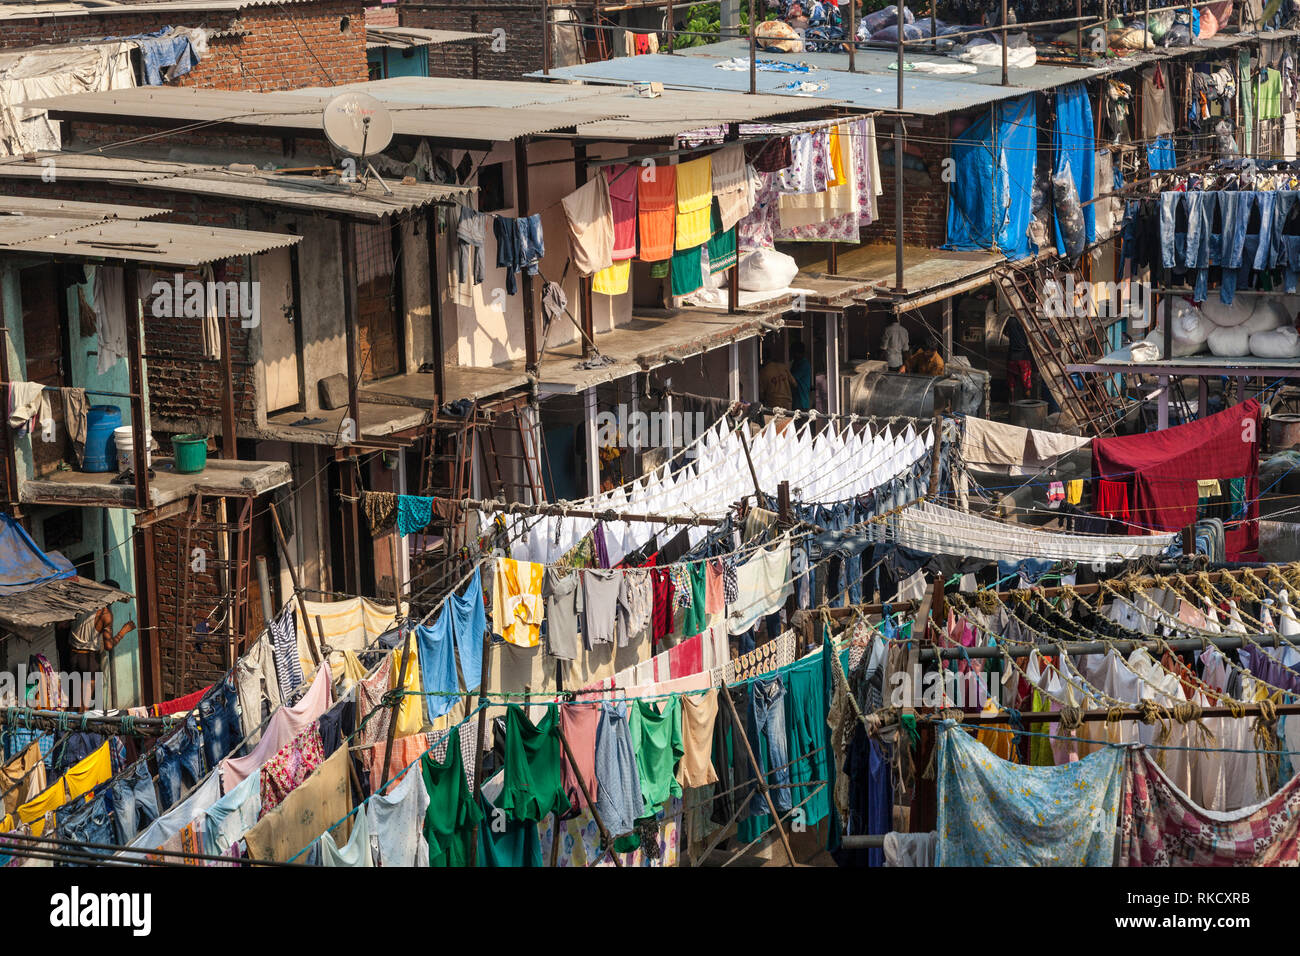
24,566
1073,143
990,202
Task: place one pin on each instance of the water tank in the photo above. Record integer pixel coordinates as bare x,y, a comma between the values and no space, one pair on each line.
101,452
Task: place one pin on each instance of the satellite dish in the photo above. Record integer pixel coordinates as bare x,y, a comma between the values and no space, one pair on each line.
358,124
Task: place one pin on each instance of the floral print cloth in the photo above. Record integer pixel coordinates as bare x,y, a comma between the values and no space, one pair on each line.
995,813
291,765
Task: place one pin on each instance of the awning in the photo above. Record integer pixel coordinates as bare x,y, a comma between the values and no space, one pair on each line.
56,602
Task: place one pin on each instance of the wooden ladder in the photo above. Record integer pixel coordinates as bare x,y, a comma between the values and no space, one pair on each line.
1060,340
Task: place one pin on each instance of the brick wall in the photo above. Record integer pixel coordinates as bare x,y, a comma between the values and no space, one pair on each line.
521,22
925,194
285,48
178,652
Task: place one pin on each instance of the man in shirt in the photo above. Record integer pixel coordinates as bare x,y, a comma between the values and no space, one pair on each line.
776,384
92,636
1020,366
801,371
894,344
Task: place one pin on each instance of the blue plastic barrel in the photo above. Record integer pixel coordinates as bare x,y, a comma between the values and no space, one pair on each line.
101,452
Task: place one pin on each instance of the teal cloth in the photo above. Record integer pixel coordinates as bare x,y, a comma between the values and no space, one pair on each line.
996,813
686,269
805,732
1237,495
517,845
722,245
413,513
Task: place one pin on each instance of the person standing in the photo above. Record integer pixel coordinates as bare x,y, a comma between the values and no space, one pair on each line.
802,373
894,344
92,636
776,384
1020,366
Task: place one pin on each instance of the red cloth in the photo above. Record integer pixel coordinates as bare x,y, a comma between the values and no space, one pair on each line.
188,702
661,604
642,43
1166,465
1112,501
687,658
622,197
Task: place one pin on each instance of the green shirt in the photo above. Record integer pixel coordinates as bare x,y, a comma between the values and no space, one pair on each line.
657,740
533,785
452,814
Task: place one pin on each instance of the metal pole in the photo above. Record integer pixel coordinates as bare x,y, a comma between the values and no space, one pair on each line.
526,280
753,47
1004,43
139,423
484,667
758,773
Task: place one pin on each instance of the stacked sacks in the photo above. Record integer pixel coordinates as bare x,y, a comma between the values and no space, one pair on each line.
1252,325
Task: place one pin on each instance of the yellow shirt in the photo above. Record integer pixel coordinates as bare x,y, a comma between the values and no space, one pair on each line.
517,607
694,202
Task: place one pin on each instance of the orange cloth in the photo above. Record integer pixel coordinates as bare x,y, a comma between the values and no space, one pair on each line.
657,212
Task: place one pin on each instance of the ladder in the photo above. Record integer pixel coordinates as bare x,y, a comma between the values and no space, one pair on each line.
225,624
1060,340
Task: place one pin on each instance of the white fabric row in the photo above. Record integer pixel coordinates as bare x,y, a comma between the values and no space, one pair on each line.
937,529
838,464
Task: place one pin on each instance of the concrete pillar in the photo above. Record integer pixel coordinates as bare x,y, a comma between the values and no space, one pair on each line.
733,371
832,364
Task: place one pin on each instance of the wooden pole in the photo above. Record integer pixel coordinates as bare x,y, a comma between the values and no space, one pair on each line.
484,668
293,578
605,836
758,771
397,710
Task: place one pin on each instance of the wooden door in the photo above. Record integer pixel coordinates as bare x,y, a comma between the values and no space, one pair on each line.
379,302
46,359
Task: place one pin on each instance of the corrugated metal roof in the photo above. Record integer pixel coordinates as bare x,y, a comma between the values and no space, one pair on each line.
362,200
62,208
403,38
457,110
873,86
298,113
69,8
152,243
678,111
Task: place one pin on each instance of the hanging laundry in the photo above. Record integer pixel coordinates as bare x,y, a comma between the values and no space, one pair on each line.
520,247
356,852
657,739
657,212
580,724
622,178
620,801
533,784
604,607
290,766
413,514
470,237
452,813
993,813
613,279
591,226
563,594
731,185
396,819
517,605
698,714
326,795
694,198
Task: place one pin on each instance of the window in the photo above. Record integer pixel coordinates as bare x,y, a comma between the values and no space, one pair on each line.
492,188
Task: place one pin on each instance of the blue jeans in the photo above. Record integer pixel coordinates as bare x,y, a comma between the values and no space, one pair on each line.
181,751
135,802
89,822
219,719
767,722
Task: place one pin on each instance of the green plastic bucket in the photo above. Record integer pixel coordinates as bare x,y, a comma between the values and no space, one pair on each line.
191,453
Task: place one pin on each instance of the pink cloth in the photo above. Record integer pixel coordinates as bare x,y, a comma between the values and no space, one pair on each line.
293,764
579,723
406,750
714,596
286,724
622,198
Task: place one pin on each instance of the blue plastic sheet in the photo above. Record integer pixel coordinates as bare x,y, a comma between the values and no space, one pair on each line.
990,201
1073,143
24,566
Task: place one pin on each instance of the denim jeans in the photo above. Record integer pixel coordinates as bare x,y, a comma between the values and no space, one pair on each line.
181,751
767,722
1173,242
135,802
219,719
88,822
